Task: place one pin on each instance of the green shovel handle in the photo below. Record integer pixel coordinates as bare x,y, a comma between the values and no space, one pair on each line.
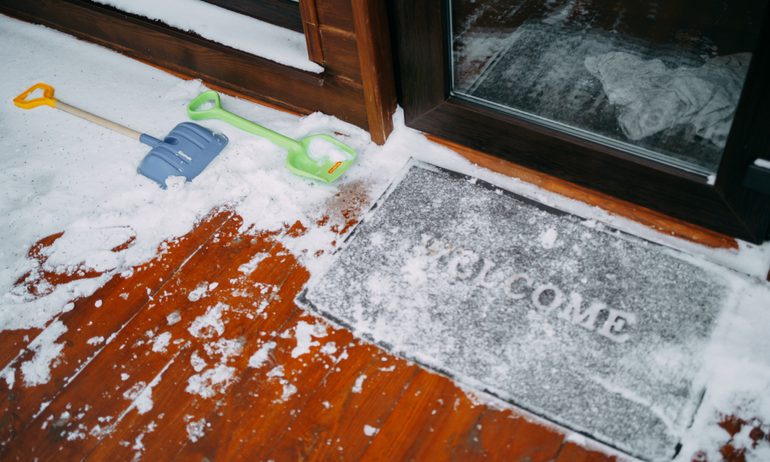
195,112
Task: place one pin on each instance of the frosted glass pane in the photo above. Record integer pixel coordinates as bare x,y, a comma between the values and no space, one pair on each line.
657,79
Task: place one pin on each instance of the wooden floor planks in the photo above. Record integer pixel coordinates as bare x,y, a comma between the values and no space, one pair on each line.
201,354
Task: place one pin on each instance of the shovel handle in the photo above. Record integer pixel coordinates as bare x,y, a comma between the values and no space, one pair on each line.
48,100
196,112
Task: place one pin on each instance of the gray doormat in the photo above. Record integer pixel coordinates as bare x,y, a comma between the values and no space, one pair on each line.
588,327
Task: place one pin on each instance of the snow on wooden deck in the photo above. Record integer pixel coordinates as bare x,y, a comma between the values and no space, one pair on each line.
135,321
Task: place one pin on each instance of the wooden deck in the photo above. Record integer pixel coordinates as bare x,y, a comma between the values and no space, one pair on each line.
117,392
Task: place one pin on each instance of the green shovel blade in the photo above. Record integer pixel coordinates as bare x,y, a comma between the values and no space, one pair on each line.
326,165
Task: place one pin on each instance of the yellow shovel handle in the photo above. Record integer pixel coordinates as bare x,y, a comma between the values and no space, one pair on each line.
47,98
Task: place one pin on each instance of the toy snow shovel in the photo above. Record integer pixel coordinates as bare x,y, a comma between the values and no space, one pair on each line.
320,157
185,151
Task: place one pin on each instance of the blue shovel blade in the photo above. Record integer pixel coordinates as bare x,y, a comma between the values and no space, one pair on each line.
185,151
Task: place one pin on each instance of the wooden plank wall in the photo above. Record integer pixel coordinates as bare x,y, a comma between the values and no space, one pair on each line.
356,86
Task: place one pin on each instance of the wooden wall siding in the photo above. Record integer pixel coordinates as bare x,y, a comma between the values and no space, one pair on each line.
310,27
332,41
376,63
283,13
340,53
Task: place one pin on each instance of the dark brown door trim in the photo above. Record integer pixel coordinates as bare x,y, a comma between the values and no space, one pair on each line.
282,13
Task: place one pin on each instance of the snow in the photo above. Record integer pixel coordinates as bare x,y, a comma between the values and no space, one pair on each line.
321,150
358,386
548,238
224,348
173,318
737,370
143,402
200,291
223,26
261,356
196,429
210,382
197,363
251,265
63,174
38,369
161,342
288,389
304,333
329,348
9,375
93,243
95,340
210,323
140,394
277,371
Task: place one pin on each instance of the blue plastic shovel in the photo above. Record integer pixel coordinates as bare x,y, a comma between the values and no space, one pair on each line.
185,151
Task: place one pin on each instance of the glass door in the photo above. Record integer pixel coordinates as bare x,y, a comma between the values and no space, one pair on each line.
655,79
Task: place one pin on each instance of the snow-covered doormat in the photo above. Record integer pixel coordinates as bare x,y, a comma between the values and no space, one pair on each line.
596,330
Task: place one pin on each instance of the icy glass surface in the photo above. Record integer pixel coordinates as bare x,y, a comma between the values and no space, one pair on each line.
595,330
660,80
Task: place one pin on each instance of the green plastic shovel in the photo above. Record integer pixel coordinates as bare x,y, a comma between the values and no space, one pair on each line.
320,157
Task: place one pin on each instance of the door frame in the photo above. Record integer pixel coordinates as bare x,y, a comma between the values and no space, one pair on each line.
422,49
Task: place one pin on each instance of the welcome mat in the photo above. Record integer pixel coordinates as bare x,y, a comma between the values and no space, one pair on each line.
588,327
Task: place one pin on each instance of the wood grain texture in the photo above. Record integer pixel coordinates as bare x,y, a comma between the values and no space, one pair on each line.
376,63
336,14
282,13
310,28
340,53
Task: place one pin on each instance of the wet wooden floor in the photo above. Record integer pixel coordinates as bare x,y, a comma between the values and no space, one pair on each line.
201,354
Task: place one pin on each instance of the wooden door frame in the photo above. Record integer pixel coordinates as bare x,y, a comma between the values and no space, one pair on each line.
422,51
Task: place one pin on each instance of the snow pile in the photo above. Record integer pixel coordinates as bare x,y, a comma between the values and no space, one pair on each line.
229,28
